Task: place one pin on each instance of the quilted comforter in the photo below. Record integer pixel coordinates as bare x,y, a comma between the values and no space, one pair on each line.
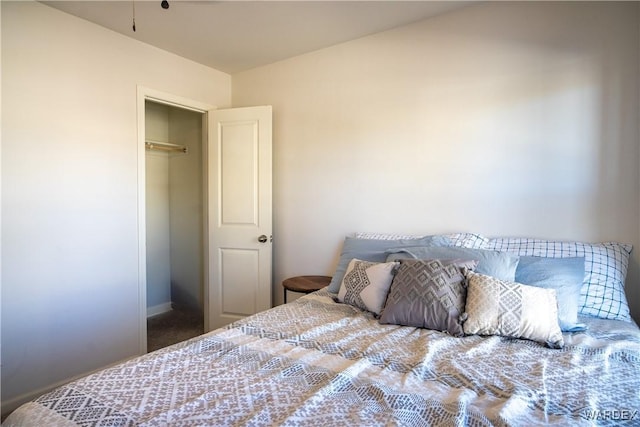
318,362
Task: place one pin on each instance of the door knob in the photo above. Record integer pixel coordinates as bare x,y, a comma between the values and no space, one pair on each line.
262,239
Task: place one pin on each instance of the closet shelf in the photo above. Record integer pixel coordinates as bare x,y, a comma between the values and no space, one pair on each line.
164,146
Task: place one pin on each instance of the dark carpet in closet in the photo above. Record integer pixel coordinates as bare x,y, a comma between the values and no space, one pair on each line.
172,327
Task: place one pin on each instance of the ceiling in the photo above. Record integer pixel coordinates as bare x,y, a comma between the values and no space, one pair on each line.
233,36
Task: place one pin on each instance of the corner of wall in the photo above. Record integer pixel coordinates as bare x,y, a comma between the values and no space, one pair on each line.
0,192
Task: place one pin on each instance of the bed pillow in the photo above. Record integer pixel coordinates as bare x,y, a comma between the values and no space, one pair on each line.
492,263
565,275
602,293
373,250
500,307
428,294
464,240
366,284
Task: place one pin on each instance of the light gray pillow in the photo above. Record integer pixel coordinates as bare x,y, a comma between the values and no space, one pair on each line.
565,275
428,294
375,251
492,263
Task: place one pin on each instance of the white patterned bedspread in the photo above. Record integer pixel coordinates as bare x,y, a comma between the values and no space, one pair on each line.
317,362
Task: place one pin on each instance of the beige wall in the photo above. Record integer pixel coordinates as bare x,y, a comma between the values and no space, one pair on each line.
516,119
70,299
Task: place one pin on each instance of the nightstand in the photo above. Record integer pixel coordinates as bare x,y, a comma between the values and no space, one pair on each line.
304,284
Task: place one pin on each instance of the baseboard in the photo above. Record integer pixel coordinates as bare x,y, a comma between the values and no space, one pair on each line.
158,309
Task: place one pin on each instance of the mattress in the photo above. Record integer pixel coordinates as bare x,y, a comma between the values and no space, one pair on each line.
318,362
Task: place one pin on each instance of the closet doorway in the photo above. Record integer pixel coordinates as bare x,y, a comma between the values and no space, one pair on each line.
174,224
222,198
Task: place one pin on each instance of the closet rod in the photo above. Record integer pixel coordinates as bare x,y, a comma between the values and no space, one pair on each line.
165,146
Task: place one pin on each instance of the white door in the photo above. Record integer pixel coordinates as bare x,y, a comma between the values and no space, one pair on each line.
239,224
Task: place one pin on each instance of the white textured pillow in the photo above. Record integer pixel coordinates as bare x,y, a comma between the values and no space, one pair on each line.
366,284
498,307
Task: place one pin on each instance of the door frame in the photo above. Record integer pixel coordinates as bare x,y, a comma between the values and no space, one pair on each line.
148,94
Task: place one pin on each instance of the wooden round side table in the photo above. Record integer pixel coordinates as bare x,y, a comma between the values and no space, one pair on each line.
304,284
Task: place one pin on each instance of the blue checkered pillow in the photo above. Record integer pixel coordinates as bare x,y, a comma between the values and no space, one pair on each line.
605,265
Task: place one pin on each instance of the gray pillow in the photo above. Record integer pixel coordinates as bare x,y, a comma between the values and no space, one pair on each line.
373,250
490,263
428,294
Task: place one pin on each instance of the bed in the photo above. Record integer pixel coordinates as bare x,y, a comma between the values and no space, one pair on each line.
322,360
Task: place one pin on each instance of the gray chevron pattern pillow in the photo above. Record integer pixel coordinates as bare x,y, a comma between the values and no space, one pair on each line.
428,294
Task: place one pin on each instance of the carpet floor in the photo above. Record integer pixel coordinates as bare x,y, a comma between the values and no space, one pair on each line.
173,327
